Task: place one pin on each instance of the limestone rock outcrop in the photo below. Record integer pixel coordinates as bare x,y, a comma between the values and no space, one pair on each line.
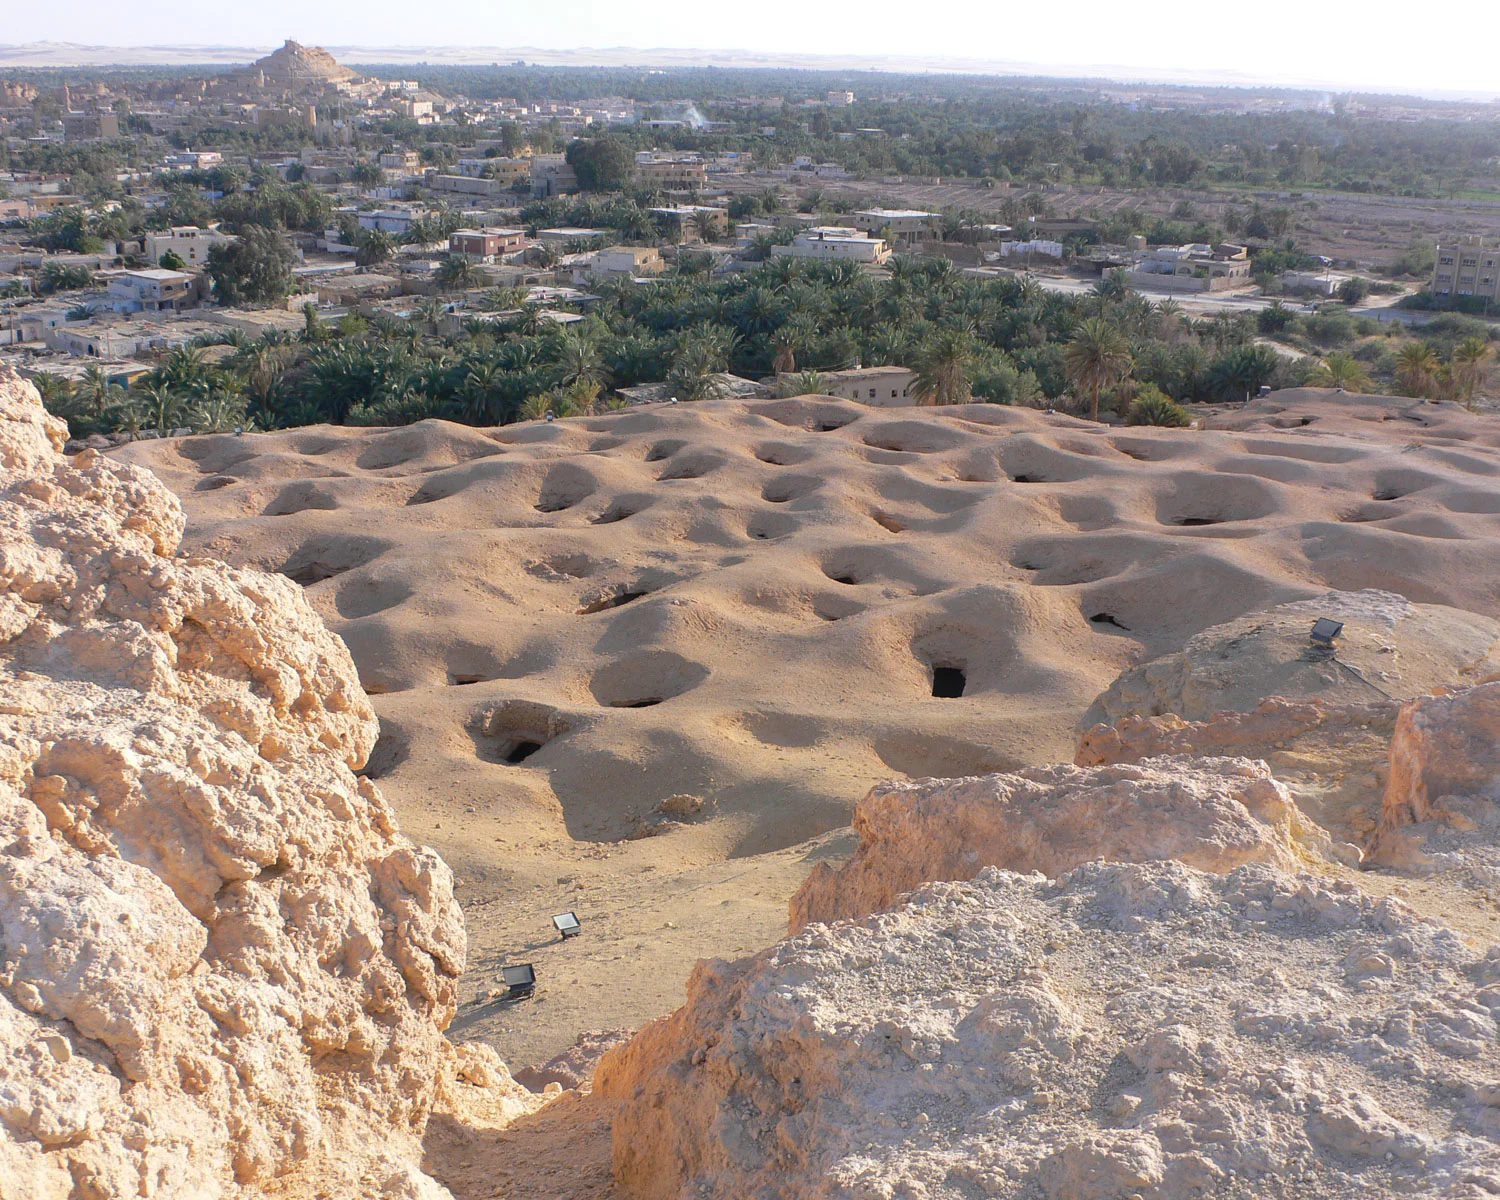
1332,758
1442,799
223,971
1124,1031
1397,651
1211,813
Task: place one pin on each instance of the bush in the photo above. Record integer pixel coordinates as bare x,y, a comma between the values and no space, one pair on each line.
1152,406
1354,290
1331,328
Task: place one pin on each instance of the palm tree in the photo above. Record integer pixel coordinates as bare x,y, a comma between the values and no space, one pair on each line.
1416,369
943,368
706,225
1469,370
1169,320
1342,371
580,362
785,342
161,407
455,273
94,391
1097,358
264,369
801,383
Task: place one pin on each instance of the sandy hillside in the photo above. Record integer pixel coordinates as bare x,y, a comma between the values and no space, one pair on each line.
750,605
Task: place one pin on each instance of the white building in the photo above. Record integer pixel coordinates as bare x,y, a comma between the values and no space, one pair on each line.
835,242
840,99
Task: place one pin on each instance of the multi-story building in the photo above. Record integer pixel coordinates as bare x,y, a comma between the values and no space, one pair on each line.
190,243
671,174
1466,268
681,222
155,290
902,225
840,99
836,242
486,244
551,176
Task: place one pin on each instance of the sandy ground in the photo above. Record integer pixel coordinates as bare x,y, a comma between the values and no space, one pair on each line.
745,604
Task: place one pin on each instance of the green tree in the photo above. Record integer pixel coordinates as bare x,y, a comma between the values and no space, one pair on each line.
455,273
602,164
1416,369
171,261
1097,357
1341,371
373,247
1469,367
1354,290
943,368
1152,406
256,268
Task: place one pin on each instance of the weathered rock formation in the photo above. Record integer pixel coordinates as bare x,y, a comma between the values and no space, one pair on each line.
222,970
1125,1031
1442,800
1330,757
1211,813
1396,649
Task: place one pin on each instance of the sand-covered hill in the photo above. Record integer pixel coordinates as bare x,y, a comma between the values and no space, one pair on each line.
566,625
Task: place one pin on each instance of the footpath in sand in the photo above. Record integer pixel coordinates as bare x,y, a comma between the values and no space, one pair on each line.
642,665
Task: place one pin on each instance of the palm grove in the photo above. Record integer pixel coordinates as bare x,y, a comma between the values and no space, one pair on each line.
1004,341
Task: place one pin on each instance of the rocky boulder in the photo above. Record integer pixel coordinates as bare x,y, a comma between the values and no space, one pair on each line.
1140,1031
223,971
1211,813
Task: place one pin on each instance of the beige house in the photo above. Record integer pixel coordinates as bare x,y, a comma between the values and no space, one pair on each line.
1466,268
879,387
189,242
629,261
904,225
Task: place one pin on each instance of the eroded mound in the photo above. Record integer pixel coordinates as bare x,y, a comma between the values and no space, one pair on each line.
222,969
775,605
1211,813
1390,649
1127,1030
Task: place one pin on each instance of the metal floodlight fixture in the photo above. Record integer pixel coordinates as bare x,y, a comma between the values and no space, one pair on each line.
567,925
1324,630
519,980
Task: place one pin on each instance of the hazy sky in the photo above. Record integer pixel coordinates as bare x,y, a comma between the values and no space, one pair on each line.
1439,44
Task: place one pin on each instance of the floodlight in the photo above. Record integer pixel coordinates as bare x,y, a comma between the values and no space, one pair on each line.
519,980
567,925
1324,630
